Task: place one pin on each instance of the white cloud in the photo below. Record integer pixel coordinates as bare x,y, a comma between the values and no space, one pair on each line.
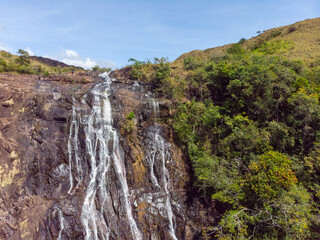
1,28
28,49
72,54
106,63
71,57
85,63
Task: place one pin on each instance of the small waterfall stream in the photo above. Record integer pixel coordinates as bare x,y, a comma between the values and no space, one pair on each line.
57,211
158,152
73,149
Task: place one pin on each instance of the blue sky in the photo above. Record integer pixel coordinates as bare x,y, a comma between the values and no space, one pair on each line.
109,32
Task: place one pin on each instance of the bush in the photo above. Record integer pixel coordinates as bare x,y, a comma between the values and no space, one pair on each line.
136,72
278,46
130,116
3,65
37,69
100,69
292,29
191,63
23,69
275,34
128,126
236,49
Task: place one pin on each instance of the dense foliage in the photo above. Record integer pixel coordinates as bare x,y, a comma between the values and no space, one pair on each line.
250,125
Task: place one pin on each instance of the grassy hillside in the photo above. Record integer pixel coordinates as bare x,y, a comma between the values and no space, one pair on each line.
32,65
303,36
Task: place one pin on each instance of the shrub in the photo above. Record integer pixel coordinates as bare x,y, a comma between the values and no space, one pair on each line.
23,69
128,126
292,29
278,46
100,69
191,63
275,34
3,65
130,116
242,40
236,49
37,69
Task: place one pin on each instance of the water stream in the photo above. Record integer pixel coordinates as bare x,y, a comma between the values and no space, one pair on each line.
56,210
73,149
158,152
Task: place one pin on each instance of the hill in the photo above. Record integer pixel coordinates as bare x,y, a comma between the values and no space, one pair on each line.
25,64
302,38
52,63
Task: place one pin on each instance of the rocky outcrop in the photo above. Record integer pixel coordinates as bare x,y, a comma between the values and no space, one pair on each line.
33,156
37,198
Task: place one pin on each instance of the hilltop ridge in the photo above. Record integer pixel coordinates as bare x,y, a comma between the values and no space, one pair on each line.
304,37
27,64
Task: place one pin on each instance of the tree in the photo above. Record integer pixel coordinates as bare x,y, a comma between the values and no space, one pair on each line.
270,176
24,57
271,204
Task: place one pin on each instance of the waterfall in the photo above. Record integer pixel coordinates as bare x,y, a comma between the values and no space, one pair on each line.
106,212
157,155
103,158
56,210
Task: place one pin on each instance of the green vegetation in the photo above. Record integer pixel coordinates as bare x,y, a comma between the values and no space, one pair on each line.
159,75
299,40
24,58
130,116
128,125
250,123
100,69
23,64
278,46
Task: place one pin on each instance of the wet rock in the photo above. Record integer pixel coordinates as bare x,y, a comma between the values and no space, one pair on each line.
61,171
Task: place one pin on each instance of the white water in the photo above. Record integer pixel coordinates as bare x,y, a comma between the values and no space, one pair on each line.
61,220
102,148
73,149
157,155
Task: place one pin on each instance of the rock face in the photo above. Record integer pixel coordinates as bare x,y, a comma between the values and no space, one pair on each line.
76,164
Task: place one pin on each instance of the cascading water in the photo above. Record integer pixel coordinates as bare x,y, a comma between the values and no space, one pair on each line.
158,152
103,157
56,210
73,149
